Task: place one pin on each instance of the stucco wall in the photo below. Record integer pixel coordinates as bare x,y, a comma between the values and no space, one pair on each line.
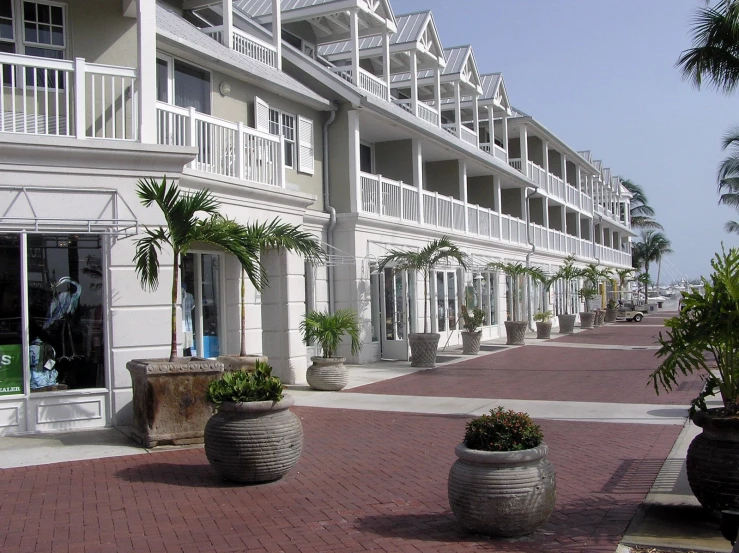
536,209
510,200
572,223
572,174
394,160
555,217
442,177
555,163
99,33
514,148
480,191
338,147
536,150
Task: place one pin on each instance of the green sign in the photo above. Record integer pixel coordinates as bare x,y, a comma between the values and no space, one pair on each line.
11,369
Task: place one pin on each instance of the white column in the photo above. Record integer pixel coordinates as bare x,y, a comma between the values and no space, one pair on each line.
228,23
283,306
578,179
545,162
545,206
476,119
463,189
414,83
491,129
458,109
578,226
354,34
563,157
147,77
355,183
437,92
277,31
386,62
497,203
505,133
417,153
524,140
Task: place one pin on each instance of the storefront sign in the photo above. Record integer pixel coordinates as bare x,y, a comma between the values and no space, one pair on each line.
11,369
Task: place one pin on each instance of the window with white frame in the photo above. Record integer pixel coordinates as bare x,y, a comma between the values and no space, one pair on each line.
284,124
182,84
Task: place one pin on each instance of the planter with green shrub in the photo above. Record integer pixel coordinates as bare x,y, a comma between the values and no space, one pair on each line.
518,275
568,273
502,483
328,371
253,437
471,335
543,325
611,312
587,317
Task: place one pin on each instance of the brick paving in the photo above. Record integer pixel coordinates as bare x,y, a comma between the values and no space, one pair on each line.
367,481
625,334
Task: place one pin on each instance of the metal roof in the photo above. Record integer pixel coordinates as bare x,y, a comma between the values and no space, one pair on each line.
262,8
172,26
489,85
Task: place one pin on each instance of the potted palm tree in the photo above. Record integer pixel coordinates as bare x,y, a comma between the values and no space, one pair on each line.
543,325
517,273
595,275
471,335
502,483
568,273
169,395
612,309
703,338
587,317
424,345
328,329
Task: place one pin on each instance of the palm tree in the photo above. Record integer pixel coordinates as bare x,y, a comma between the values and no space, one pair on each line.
516,271
715,53
568,272
641,213
423,261
728,176
652,247
594,275
623,275
193,217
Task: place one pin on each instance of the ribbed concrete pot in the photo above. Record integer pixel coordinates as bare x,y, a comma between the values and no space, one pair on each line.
587,318
515,332
610,316
233,363
502,493
543,330
471,342
600,317
423,349
566,324
327,373
254,442
169,399
713,462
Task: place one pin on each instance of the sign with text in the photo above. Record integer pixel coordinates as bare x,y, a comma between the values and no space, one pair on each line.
11,369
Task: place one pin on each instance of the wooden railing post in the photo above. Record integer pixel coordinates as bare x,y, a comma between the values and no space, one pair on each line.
400,199
240,172
80,113
380,199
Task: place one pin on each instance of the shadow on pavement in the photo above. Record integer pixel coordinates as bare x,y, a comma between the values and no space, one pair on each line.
188,475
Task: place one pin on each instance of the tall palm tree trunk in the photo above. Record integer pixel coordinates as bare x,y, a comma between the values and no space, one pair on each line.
175,283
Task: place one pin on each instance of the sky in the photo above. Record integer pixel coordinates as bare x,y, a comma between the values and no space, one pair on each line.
601,75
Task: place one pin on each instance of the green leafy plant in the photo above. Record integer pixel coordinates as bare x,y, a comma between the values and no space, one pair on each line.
708,324
246,386
502,430
543,316
472,321
328,330
568,273
611,304
517,273
588,293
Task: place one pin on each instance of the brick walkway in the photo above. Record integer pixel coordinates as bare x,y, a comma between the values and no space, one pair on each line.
366,480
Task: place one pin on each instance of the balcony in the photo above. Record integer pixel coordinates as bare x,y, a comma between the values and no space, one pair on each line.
495,151
67,98
609,255
224,148
468,135
425,112
249,46
367,81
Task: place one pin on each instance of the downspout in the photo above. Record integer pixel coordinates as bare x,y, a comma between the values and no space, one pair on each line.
327,207
530,315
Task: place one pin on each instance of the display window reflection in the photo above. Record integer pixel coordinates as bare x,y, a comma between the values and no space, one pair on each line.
11,339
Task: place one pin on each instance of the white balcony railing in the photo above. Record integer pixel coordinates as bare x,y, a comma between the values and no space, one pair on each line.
556,186
468,135
67,98
367,81
224,148
247,45
425,112
515,163
388,198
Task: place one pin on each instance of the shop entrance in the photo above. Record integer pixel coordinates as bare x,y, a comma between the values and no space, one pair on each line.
396,313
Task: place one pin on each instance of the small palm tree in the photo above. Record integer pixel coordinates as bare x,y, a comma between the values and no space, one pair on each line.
728,177
423,261
594,275
653,246
329,329
517,271
568,273
640,212
623,275
646,280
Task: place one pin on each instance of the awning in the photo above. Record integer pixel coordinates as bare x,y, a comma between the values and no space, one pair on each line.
67,210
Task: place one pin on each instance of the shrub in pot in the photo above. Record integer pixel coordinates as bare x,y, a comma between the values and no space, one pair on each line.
253,437
424,344
471,335
327,330
517,274
611,312
587,317
568,273
703,338
502,483
543,325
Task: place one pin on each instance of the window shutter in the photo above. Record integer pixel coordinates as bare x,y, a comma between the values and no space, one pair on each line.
261,114
305,145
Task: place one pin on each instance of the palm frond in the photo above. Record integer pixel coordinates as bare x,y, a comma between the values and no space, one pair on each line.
146,257
732,227
328,330
645,223
284,236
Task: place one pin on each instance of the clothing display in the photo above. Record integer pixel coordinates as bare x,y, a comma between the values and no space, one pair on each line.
42,360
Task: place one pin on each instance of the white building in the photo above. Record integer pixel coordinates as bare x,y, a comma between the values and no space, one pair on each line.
358,125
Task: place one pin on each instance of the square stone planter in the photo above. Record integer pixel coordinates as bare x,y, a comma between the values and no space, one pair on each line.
170,405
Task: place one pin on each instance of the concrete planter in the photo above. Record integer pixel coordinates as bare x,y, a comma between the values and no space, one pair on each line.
423,349
502,493
327,373
543,330
587,318
600,317
566,324
713,462
169,399
611,313
237,363
515,332
254,442
471,342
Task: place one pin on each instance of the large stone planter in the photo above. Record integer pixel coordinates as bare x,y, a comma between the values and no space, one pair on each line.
169,399
327,373
611,314
566,324
515,332
543,330
471,342
587,318
254,442
600,317
505,494
713,462
423,349
247,363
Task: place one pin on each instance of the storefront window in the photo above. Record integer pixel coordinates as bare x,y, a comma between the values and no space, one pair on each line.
65,308
201,304
11,342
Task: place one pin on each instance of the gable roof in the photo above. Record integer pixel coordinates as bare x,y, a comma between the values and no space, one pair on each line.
493,90
262,9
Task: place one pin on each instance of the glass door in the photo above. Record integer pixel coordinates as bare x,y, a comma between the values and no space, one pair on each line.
395,314
201,299
447,304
